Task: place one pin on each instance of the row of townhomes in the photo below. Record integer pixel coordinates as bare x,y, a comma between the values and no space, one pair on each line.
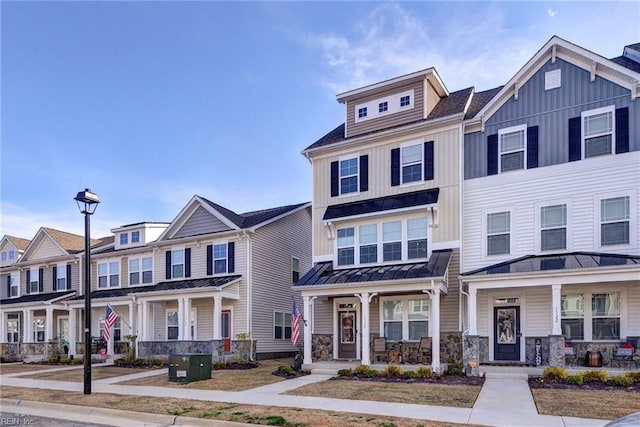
476,227
210,281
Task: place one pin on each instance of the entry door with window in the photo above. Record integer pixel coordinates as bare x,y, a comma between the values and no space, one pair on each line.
226,329
63,334
347,335
506,333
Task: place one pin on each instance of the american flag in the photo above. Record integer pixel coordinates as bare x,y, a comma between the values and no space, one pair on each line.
296,316
110,319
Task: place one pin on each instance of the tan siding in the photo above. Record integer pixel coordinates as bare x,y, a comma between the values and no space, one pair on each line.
432,98
46,249
204,312
450,302
201,222
407,116
323,316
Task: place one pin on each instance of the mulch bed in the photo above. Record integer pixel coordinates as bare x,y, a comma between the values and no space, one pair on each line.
237,366
295,374
443,379
536,383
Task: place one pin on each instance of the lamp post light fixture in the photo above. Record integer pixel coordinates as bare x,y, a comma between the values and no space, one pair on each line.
87,203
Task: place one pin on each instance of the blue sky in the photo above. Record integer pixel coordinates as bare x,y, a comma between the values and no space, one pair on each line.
148,103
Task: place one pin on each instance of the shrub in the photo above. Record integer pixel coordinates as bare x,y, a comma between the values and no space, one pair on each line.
555,374
577,379
596,376
410,375
392,371
139,362
635,376
424,372
455,367
622,381
288,370
345,373
362,370
373,373
65,360
156,363
220,365
75,361
119,362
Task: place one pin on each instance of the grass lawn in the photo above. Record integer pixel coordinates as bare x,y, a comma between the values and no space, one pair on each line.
77,375
602,404
12,368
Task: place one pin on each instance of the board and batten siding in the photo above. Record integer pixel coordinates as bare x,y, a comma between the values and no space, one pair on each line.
551,110
273,246
201,222
389,120
446,166
578,184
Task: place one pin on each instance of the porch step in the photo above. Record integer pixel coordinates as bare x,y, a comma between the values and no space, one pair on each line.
324,371
506,376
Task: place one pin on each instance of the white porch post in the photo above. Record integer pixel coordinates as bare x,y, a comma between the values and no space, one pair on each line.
48,324
73,319
144,330
180,319
472,311
365,299
3,326
556,309
217,317
435,330
306,336
27,325
187,319
132,327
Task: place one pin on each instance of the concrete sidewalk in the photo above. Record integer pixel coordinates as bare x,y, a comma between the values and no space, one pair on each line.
505,400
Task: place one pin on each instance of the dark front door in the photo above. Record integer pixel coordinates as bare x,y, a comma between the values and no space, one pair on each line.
226,329
506,333
347,335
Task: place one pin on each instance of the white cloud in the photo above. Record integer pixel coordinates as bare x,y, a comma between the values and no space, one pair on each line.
551,12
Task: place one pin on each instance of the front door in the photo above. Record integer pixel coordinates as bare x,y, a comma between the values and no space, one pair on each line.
226,330
63,334
506,333
347,338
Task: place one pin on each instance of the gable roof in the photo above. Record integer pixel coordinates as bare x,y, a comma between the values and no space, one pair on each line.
20,243
479,100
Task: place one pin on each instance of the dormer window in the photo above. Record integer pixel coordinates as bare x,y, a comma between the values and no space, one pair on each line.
383,106
405,101
135,237
362,112
124,238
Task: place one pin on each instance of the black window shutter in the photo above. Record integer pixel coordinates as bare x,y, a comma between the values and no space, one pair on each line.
168,264
187,262
68,276
28,281
532,147
492,154
395,167
622,130
209,260
8,286
55,278
231,257
428,161
41,280
335,181
575,143
364,173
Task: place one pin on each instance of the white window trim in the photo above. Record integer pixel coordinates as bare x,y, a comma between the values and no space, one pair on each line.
15,283
284,325
585,114
293,269
126,236
411,144
61,269
355,156
485,234
5,256
109,273
213,257
405,313
140,270
139,237
393,106
512,129
588,313
166,323
34,272
181,248
538,222
631,193
553,79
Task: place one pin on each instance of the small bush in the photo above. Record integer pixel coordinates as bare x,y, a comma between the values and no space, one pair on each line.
286,370
595,376
575,379
373,373
622,381
392,371
455,367
276,420
75,361
139,362
410,375
156,363
424,372
65,360
345,373
635,376
220,365
119,362
362,370
555,374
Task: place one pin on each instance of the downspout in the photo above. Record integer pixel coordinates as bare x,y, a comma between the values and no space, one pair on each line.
249,286
460,221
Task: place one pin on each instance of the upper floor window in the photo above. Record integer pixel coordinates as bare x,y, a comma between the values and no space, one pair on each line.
34,280
512,148
295,269
392,241
12,254
498,233
14,285
368,243
220,258
417,229
135,237
346,243
362,112
349,175
598,131
405,101
177,263
553,227
109,274
4,256
411,159
614,221
140,270
61,276
124,238
383,106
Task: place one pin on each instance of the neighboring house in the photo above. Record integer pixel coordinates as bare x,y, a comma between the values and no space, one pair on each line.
386,223
551,244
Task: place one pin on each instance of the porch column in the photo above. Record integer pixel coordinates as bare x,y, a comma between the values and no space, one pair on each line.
217,317
130,327
27,321
472,311
48,324
187,319
111,337
556,304
3,327
435,330
365,299
144,314
306,314
73,319
180,319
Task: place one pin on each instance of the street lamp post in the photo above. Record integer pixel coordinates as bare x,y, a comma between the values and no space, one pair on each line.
87,203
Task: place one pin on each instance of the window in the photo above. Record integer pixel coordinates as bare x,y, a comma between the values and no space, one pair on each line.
109,274
368,243
61,276
12,254
295,269
405,101
383,106
13,329
572,316
417,238
405,319
38,329
362,112
553,227
614,221
116,331
512,148
605,312
140,270
392,241
34,277
172,325
598,131
135,237
220,258
124,238
349,175
14,285
346,243
177,263
4,256
498,233
281,325
411,156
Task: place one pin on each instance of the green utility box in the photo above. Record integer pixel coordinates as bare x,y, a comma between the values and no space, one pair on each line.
184,368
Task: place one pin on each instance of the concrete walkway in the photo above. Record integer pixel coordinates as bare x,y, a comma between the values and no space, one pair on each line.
505,400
